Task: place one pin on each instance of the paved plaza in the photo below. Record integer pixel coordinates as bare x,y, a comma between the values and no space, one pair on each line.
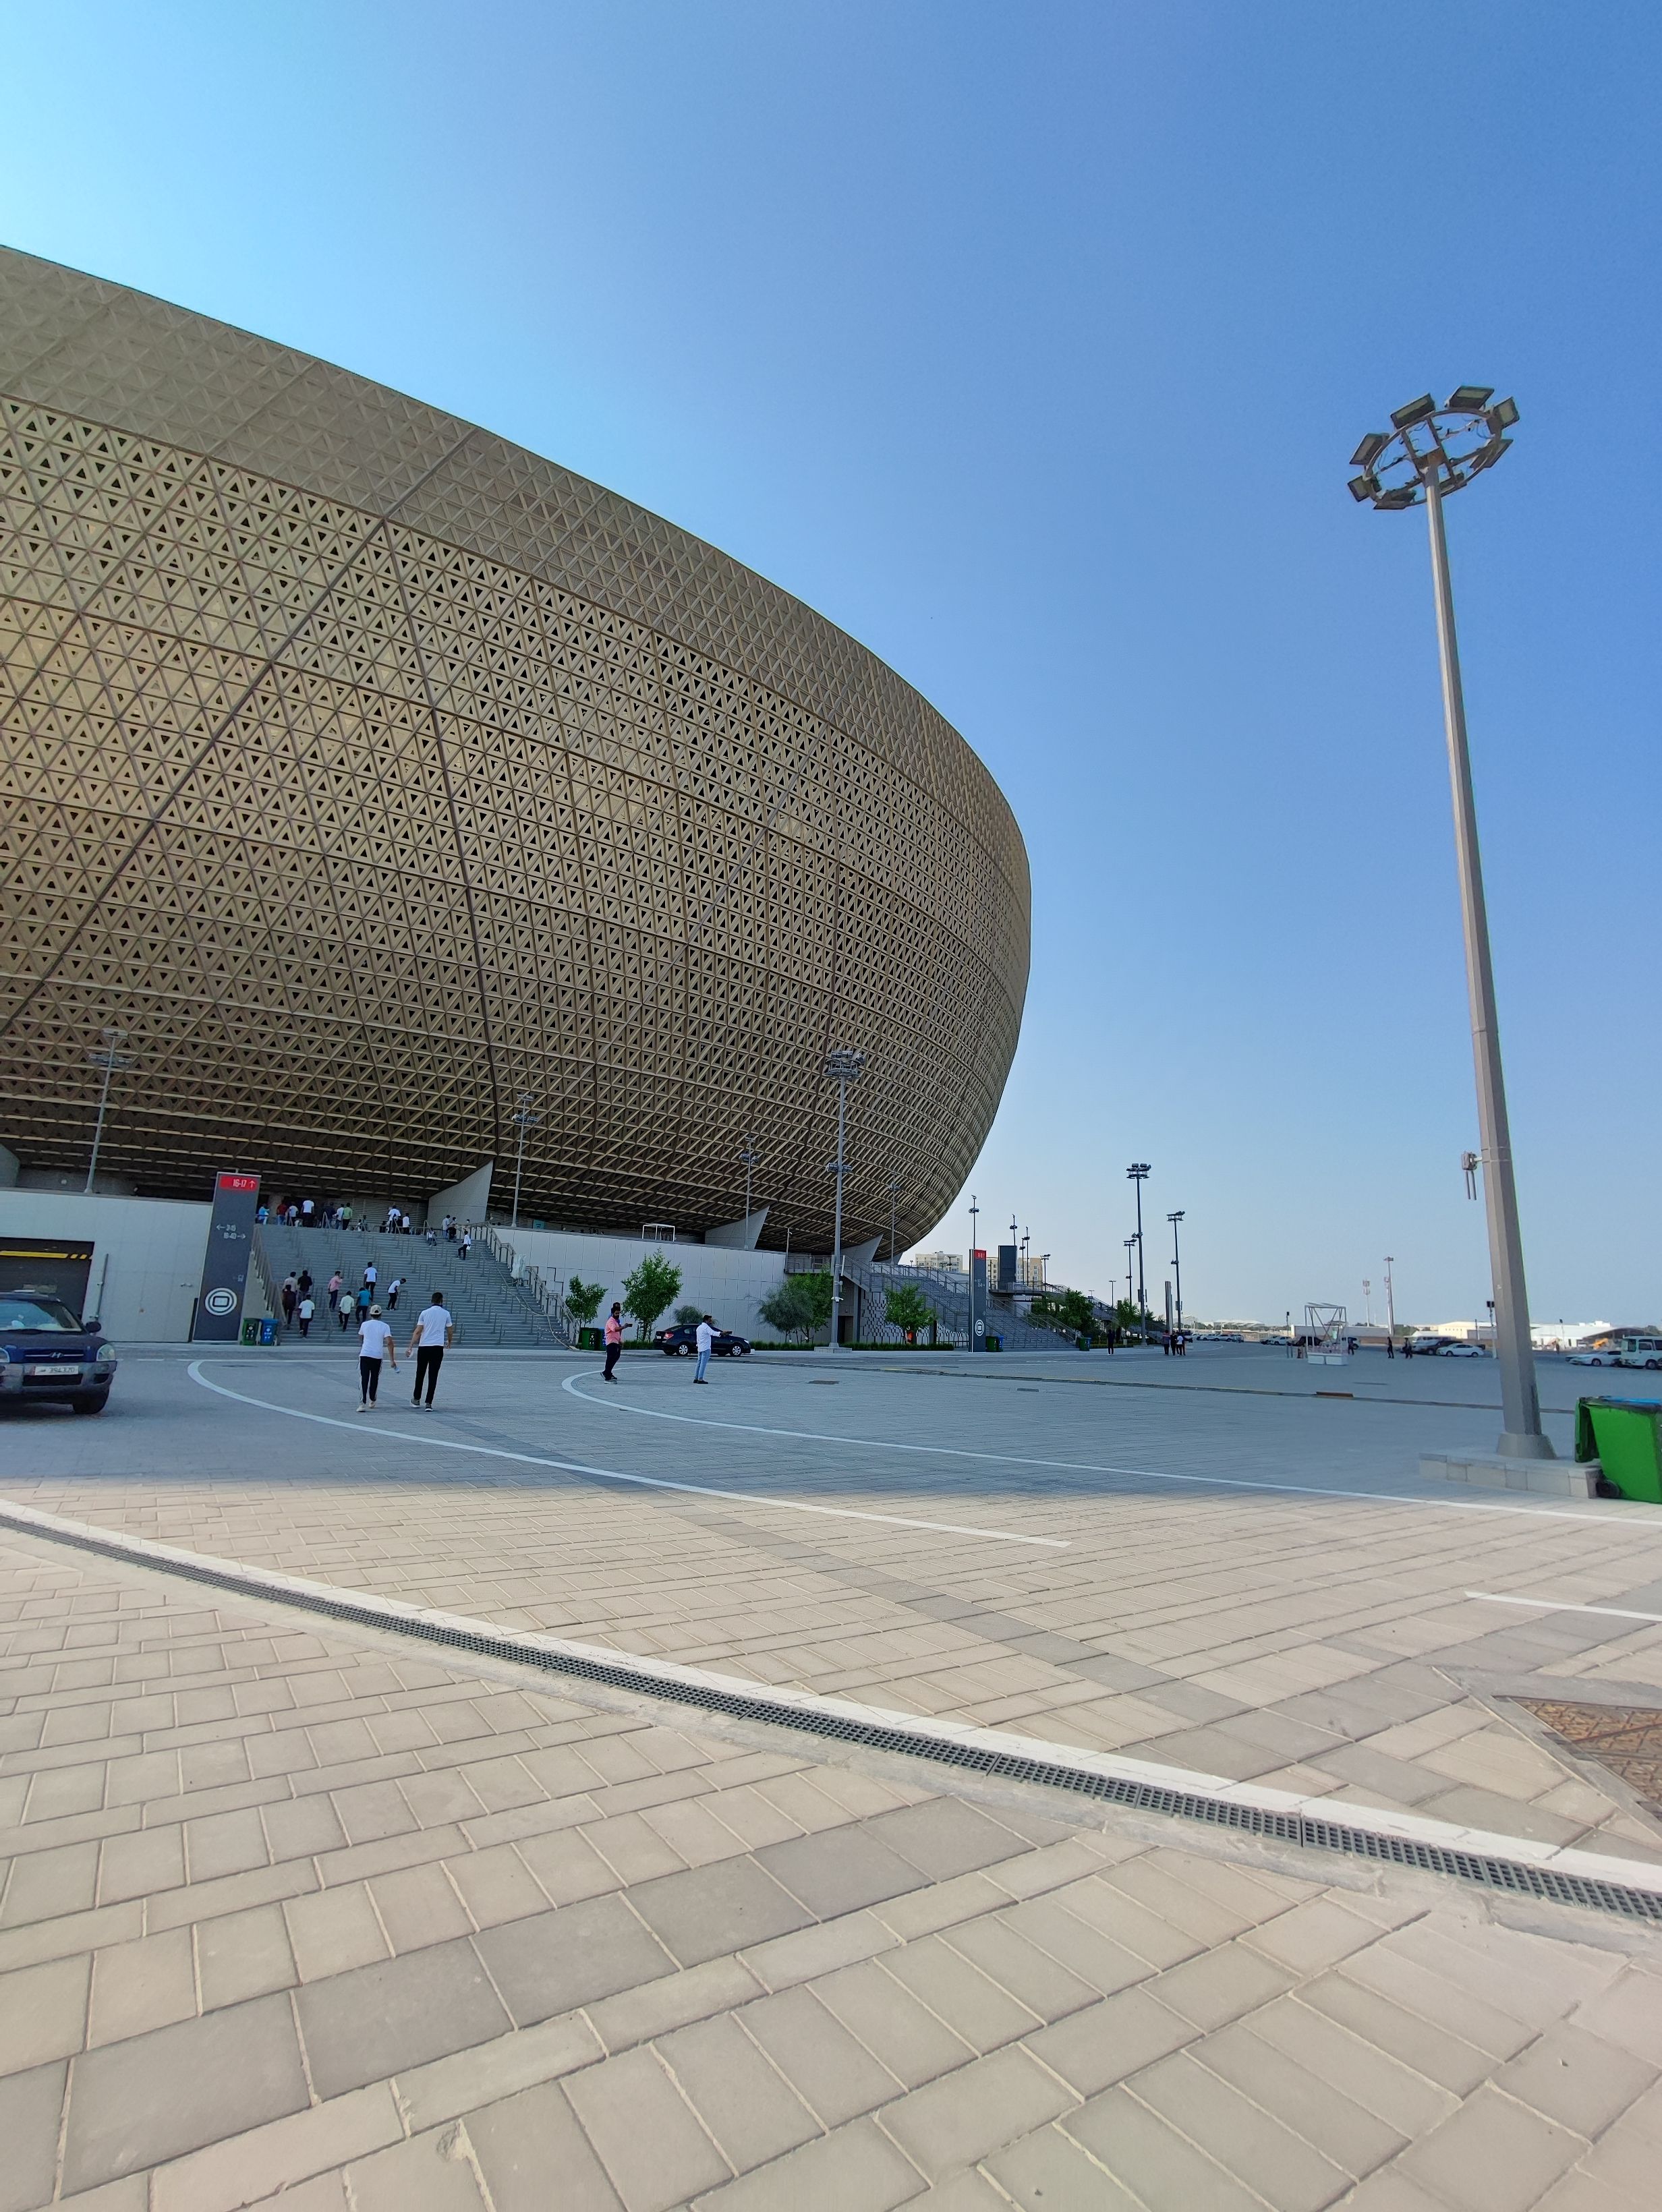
294,1912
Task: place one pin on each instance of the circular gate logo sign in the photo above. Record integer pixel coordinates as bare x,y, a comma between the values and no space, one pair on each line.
220,1302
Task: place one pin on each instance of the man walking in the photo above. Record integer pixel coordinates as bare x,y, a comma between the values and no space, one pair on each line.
290,1298
375,1345
346,1308
392,1290
434,1331
372,1274
614,1341
704,1337
306,1308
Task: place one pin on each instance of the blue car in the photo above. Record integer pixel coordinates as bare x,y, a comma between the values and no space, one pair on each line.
47,1356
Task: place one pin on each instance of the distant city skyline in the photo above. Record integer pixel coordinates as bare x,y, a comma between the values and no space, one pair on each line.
1031,349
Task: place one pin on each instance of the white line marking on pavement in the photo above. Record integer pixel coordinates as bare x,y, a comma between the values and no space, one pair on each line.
613,1475
1562,1605
1089,1467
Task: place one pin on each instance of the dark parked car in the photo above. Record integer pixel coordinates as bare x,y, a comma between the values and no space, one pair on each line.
682,1341
46,1353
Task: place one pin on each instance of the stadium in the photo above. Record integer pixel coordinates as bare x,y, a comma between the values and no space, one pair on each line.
383,801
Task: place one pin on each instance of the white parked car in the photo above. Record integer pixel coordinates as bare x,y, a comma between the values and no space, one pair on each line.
1594,1357
1461,1352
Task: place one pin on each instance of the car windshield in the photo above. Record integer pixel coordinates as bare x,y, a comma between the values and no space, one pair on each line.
30,1310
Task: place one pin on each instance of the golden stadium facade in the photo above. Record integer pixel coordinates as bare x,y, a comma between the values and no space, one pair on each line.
375,776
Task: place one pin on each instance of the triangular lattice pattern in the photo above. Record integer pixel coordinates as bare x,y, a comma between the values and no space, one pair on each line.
370,773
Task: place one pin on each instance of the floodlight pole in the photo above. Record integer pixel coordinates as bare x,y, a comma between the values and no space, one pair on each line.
1176,1264
111,1058
1138,1172
1522,1436
844,1068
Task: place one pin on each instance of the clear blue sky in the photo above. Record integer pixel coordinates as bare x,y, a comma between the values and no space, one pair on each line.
1029,343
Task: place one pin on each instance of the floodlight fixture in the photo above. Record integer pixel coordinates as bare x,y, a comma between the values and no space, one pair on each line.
1435,451
1370,450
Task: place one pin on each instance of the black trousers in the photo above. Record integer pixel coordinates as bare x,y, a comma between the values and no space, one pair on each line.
368,1379
613,1353
428,1356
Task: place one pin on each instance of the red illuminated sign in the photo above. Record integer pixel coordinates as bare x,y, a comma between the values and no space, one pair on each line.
238,1182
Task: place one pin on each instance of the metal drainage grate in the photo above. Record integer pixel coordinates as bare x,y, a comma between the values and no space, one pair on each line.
1518,1878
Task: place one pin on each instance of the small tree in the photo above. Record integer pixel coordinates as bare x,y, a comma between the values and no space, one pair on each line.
1076,1313
582,1300
906,1307
801,1305
648,1289
689,1316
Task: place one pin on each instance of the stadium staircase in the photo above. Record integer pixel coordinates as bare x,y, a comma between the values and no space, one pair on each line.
491,1309
948,1299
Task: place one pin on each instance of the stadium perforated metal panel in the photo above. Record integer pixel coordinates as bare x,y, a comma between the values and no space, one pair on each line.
372,774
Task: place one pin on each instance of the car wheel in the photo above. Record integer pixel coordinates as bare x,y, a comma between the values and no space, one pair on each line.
1653,1363
684,1352
94,1404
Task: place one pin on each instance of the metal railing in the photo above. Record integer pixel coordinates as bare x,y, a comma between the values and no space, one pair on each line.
537,1292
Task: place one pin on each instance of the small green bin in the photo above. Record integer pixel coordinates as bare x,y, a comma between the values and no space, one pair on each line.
1624,1435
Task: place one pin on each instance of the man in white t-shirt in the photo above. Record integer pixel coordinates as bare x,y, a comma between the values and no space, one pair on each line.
434,1331
375,1345
703,1336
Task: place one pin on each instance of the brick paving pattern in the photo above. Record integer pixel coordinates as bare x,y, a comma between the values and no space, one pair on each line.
296,1919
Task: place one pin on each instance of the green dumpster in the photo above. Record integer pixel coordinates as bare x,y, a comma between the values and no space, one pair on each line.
1624,1435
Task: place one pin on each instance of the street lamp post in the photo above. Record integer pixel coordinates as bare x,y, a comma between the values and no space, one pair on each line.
975,1246
843,1068
1429,452
894,1201
1176,1264
1138,1172
1390,1298
525,1120
1130,1274
111,1059
747,1160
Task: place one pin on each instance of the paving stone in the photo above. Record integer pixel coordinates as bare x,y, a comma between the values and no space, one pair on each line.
943,1836
1492,2155
533,2154
710,1911
283,2155
975,2111
570,1957
1221,1985
43,2011
1046,2171
429,2173
1575,2079
31,2108
142,1985
243,1954
225,1843
900,2033
374,2021
1249,2144
741,2099
48,1883
417,1906
955,1990
566,1866
446,2088
1152,2160
156,2096
1039,1982
1093,2049
834,2074
1345,2132
334,1931
496,1886
856,2170
655,2152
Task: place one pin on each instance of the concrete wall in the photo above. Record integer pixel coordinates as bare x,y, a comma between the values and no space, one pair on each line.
153,1248
718,1278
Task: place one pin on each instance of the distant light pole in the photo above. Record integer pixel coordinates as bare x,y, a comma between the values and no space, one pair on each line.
1176,1264
1367,1300
111,1059
1138,1172
1430,452
1130,1278
525,1120
747,1160
894,1199
842,1067
975,1246
1390,1298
